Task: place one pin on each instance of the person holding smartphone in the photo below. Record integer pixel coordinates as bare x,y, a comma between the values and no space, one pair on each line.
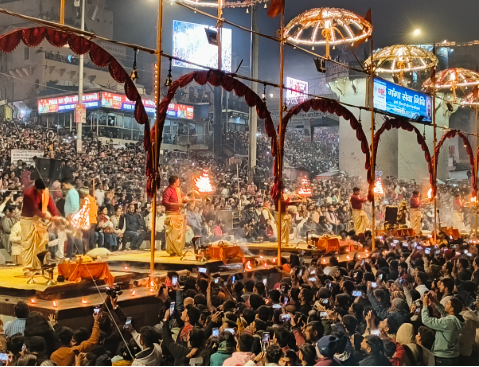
65,355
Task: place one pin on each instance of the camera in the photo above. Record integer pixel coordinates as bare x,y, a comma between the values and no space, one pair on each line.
114,292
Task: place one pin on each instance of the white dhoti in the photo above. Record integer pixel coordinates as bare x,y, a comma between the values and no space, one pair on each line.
34,240
458,220
361,221
415,220
175,233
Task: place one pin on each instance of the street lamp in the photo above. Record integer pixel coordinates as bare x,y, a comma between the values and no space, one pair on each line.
416,32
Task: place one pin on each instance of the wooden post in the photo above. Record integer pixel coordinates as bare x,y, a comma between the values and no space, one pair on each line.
62,11
434,183
280,127
373,160
156,148
475,162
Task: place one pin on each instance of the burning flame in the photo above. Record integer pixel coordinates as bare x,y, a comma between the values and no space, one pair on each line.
203,183
305,190
84,301
474,200
54,304
378,187
429,193
81,220
133,292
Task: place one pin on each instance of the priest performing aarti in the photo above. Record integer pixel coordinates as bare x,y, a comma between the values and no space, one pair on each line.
175,223
360,218
38,206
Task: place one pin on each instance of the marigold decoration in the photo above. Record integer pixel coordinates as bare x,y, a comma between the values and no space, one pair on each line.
327,26
452,79
305,189
399,59
429,193
81,220
203,183
378,187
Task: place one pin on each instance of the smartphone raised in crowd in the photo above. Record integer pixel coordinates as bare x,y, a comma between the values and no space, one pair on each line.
174,280
202,270
285,317
427,251
230,330
357,294
96,310
375,332
323,314
374,284
172,309
265,281
285,301
215,332
265,339
324,301
128,321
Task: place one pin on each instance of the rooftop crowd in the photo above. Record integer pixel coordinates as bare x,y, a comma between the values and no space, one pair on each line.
405,304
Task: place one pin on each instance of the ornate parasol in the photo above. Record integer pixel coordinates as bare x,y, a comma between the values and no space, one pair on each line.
327,26
399,59
452,79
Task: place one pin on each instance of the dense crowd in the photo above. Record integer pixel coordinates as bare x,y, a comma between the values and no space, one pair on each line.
405,304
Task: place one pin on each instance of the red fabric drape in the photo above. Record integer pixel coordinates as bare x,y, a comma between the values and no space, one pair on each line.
405,125
467,144
331,106
32,37
218,79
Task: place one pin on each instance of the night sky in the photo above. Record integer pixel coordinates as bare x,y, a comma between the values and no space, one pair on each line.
393,21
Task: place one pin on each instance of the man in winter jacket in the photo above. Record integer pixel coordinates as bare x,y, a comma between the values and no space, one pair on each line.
446,347
243,351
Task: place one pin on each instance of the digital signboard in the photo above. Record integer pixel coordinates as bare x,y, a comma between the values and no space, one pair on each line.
110,100
191,44
300,88
404,102
62,104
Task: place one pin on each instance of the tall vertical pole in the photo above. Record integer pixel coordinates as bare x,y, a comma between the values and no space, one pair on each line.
80,82
373,159
475,163
62,11
434,183
219,35
218,101
253,116
280,128
156,148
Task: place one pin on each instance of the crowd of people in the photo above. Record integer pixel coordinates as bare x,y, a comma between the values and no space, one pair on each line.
112,179
402,305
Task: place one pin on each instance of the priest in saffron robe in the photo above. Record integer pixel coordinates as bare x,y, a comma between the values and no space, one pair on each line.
175,223
360,218
415,215
37,206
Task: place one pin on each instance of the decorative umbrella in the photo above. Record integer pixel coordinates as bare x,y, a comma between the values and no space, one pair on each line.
452,79
399,59
327,26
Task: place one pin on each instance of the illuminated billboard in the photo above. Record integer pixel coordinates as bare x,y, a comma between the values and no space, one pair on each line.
300,88
62,104
191,44
121,102
396,100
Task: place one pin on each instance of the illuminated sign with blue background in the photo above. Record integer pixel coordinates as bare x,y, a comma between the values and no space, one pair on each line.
400,101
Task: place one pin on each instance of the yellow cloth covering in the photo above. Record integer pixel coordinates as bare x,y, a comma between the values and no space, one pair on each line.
285,228
415,219
361,221
34,239
458,220
175,233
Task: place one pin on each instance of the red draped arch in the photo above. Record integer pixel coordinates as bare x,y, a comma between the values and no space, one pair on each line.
469,150
405,125
331,106
216,78
32,37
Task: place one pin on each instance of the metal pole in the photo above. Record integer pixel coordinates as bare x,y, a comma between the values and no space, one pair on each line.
156,147
475,163
373,160
280,128
62,12
219,35
434,183
80,83
253,116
